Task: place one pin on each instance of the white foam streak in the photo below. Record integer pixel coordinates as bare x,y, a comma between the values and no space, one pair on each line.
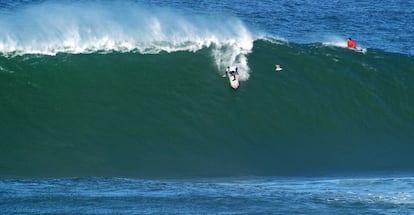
342,43
80,27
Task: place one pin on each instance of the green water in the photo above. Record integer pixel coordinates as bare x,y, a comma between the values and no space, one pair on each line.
330,110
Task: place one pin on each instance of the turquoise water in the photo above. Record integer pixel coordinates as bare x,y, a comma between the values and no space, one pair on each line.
113,105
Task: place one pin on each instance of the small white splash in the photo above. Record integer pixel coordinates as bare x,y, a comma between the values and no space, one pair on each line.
2,69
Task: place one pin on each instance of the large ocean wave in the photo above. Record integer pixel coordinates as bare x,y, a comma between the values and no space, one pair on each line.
118,88
330,110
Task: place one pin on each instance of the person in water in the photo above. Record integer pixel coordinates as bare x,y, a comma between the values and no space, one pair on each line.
351,43
278,68
232,71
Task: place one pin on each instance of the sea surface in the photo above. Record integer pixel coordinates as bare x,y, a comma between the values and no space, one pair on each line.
120,107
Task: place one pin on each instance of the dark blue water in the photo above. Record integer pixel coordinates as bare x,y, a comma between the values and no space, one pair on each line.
357,195
89,126
372,24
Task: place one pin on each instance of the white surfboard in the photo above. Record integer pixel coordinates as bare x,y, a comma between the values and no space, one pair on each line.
234,81
360,50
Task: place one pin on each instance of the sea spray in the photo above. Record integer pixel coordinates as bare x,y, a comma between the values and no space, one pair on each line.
53,27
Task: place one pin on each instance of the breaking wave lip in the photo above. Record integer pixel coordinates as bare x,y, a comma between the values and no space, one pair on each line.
340,42
53,27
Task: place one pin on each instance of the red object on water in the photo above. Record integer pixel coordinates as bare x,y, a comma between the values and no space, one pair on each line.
351,43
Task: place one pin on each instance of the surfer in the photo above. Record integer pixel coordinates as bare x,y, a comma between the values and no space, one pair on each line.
233,75
232,71
351,43
278,68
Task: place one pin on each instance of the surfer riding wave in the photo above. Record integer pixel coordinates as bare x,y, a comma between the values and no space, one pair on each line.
232,71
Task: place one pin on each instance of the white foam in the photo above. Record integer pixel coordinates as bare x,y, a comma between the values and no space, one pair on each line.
82,27
335,41
273,39
2,69
342,43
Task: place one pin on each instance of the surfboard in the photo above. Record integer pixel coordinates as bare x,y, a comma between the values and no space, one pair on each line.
363,51
234,81
360,50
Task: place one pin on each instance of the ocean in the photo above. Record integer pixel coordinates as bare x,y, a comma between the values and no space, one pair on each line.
120,107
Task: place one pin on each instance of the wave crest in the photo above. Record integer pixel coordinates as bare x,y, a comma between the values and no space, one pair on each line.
84,27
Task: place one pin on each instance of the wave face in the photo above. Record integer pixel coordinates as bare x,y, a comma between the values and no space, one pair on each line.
330,110
87,92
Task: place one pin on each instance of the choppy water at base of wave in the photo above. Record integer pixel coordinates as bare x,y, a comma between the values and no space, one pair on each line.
264,195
